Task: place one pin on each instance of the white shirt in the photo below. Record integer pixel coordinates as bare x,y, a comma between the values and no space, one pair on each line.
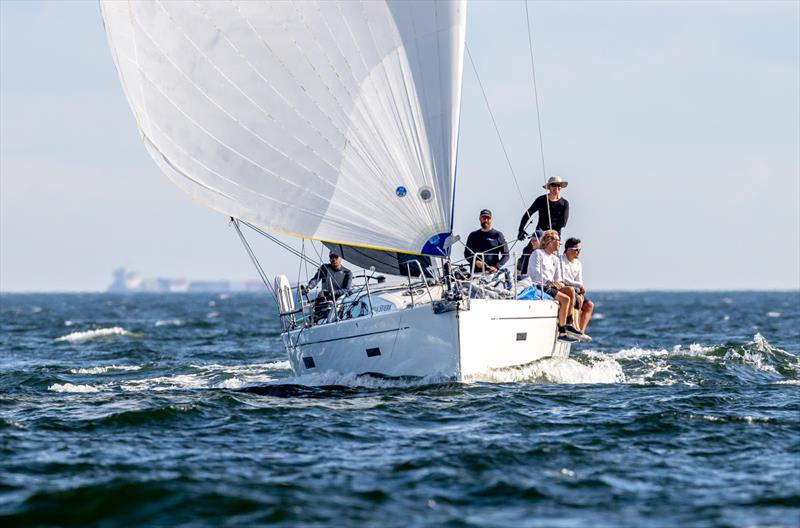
572,271
543,267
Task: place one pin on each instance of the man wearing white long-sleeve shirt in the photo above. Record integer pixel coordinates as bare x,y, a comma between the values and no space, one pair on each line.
544,268
572,273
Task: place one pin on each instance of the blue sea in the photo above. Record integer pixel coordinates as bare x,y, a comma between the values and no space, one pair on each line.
140,410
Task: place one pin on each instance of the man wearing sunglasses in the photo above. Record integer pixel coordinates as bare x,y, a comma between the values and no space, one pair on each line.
572,274
551,208
544,269
341,278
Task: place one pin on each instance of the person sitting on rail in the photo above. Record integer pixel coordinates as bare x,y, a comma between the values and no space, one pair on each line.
335,281
544,268
572,273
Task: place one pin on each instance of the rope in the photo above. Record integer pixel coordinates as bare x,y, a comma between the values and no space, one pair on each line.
253,258
474,253
284,245
496,129
538,113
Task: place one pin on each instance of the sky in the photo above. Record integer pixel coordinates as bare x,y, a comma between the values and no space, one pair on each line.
677,125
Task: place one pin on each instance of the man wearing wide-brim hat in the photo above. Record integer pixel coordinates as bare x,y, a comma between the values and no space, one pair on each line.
553,210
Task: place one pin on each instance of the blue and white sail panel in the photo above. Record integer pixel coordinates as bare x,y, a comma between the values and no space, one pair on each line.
334,120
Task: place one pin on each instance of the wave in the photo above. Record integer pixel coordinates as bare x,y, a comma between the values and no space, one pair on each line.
169,322
659,366
558,370
248,368
105,369
69,387
99,333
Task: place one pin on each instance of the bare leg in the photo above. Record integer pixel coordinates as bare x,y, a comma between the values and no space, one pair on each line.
586,314
570,292
563,307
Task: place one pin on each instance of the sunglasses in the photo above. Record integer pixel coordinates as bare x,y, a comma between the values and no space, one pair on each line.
486,218
555,185
576,250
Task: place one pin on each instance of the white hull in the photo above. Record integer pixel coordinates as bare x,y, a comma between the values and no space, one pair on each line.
483,334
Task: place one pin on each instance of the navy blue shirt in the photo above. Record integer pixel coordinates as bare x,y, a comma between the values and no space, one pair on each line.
492,243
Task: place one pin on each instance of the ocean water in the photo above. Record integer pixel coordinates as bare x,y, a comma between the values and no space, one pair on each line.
137,410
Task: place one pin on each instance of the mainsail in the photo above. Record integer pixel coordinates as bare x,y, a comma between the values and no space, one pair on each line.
332,120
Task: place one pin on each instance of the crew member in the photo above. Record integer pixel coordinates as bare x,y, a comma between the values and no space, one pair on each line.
341,278
488,241
558,214
533,245
545,270
572,274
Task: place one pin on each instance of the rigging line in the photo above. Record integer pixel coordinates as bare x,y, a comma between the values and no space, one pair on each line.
465,259
275,240
496,129
253,258
538,112
301,262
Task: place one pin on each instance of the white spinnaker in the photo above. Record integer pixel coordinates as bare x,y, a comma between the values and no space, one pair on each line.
334,120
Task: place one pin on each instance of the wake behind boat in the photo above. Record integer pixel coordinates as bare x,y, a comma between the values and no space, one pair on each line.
337,122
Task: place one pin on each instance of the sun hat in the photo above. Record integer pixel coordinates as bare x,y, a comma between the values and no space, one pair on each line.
555,179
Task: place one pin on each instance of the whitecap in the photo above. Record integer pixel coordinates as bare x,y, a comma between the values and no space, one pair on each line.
232,383
105,369
169,322
212,315
68,323
773,314
69,387
88,335
598,316
163,383
788,382
247,368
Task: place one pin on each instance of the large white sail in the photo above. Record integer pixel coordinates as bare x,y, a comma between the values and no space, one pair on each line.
333,120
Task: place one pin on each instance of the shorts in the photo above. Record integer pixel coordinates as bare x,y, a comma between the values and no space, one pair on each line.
551,290
578,300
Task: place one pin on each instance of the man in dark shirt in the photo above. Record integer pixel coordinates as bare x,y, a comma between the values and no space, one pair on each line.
488,241
558,212
332,275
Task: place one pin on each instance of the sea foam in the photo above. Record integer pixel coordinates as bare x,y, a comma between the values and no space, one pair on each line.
69,387
105,369
558,370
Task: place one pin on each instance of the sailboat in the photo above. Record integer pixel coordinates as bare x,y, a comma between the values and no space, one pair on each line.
333,121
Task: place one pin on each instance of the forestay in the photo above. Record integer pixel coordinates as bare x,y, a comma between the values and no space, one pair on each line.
333,120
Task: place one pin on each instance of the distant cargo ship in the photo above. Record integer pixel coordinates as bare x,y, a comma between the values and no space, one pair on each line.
131,281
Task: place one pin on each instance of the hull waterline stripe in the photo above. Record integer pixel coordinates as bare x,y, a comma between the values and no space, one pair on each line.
352,337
